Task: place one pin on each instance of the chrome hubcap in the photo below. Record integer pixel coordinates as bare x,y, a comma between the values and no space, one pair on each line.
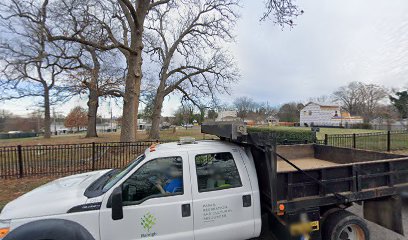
352,232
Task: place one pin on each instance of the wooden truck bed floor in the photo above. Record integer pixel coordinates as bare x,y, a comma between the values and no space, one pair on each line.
305,164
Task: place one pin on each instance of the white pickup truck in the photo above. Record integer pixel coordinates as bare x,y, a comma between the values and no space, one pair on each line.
210,190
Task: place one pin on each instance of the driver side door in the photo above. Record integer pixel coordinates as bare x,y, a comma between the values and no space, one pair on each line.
147,211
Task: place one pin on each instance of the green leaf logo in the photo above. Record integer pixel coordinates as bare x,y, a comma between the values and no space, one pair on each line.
148,221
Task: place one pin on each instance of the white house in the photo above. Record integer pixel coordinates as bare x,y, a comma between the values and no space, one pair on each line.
272,120
326,114
142,124
224,116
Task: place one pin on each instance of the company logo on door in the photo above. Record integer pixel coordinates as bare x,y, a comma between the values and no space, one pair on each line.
148,221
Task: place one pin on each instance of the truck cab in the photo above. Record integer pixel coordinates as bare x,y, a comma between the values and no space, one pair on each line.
180,190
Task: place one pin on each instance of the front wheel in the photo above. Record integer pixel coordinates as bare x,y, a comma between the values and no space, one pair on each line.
343,225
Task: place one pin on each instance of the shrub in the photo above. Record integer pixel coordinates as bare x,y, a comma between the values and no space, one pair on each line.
362,126
288,134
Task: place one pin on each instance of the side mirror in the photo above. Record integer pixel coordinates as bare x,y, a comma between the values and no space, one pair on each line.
117,204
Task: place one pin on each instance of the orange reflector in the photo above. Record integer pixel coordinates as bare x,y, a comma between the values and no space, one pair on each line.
281,207
153,147
4,232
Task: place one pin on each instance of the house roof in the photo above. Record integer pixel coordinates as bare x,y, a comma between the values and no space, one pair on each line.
272,117
323,104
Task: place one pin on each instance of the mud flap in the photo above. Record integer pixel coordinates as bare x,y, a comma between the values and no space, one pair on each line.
386,212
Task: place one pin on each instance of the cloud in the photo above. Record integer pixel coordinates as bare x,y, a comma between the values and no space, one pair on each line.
334,42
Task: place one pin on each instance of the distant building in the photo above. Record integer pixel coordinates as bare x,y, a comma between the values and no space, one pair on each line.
272,120
227,116
104,125
326,114
142,124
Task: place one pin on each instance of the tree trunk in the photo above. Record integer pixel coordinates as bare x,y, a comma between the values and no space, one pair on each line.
134,76
93,104
128,131
156,116
137,87
93,99
47,113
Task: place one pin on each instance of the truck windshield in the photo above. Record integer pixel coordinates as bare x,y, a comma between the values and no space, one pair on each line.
120,174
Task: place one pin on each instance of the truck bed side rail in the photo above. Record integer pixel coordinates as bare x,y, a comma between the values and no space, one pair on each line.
357,182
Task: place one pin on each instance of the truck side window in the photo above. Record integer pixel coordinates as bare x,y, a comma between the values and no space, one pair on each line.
216,171
156,178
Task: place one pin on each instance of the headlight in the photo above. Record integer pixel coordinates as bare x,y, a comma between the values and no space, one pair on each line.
4,228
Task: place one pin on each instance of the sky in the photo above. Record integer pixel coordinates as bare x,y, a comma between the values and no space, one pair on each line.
332,44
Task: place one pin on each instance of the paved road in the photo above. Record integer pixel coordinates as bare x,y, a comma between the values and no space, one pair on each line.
378,232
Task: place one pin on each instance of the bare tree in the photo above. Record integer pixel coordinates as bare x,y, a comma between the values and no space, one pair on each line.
32,66
123,22
244,106
282,11
349,97
362,99
184,115
98,75
373,95
185,40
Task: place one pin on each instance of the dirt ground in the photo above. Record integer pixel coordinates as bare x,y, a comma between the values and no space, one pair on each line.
380,233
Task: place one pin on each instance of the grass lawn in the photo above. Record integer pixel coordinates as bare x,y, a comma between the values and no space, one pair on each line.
104,137
329,131
323,131
165,135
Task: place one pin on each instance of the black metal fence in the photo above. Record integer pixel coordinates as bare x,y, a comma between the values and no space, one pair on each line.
21,161
381,141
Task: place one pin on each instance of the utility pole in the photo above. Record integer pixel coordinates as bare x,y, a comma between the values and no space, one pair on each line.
111,115
55,120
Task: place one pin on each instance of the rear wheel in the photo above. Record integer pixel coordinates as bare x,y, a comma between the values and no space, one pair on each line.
343,225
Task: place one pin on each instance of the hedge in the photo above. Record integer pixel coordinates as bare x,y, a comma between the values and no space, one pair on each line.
17,135
290,134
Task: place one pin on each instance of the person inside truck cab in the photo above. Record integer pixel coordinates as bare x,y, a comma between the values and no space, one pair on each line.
216,171
217,179
174,184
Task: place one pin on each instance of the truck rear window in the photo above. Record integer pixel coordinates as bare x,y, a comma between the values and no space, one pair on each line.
216,171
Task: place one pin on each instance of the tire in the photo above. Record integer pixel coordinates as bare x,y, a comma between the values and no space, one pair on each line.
343,225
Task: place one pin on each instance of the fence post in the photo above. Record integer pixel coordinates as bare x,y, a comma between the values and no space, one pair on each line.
20,161
326,140
93,156
389,141
354,140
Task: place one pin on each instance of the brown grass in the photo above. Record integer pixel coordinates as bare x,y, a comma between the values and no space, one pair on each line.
103,137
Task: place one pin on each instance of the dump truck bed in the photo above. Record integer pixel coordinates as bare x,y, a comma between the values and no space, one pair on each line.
310,156
356,174
328,176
